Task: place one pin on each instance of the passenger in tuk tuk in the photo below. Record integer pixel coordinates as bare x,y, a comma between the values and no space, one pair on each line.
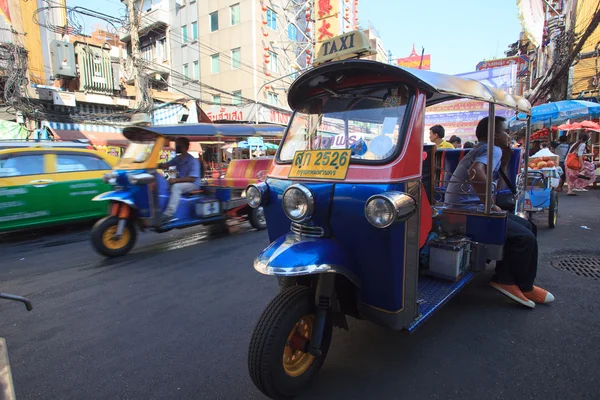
516,272
188,176
436,135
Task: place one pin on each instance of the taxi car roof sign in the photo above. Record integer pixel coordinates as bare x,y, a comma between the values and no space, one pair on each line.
353,44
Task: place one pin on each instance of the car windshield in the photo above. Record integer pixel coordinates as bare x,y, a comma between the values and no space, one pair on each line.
138,152
367,121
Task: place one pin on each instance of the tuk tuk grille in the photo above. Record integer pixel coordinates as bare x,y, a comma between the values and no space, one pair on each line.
586,267
307,230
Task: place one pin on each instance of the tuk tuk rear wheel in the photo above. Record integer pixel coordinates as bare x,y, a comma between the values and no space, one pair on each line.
106,244
257,218
553,209
277,363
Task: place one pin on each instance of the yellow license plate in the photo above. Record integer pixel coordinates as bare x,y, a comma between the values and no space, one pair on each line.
321,164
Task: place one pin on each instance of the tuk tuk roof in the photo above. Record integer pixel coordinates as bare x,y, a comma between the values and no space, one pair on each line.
441,87
202,130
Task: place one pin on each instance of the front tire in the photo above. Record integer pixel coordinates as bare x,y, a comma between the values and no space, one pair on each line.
257,218
276,366
553,209
104,241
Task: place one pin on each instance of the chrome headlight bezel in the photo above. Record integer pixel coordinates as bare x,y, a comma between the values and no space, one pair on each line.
262,189
308,198
400,204
143,178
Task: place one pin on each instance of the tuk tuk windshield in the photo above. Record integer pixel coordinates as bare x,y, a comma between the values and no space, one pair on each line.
368,121
139,152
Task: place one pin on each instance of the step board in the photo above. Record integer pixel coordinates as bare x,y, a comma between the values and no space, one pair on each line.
433,293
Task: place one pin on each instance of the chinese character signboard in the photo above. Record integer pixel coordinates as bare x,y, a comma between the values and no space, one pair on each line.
327,20
414,60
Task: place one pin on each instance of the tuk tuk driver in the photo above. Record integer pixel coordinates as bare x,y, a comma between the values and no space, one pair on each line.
516,272
188,176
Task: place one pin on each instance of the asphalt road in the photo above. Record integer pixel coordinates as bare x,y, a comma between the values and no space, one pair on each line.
173,319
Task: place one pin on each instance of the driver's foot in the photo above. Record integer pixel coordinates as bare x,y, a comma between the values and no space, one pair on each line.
513,292
539,295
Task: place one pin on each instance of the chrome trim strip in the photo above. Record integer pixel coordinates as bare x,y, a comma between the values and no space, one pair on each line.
266,269
307,230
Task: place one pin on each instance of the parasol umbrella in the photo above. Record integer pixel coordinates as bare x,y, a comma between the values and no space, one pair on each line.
590,125
244,145
561,111
271,146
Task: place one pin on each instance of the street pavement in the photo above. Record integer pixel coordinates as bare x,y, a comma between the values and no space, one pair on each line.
173,320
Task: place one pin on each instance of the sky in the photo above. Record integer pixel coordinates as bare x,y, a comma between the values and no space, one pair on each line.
457,34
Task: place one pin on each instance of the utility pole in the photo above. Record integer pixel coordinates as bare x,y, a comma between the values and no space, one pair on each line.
135,51
389,57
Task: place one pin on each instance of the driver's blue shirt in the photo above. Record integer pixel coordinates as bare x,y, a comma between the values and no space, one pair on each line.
187,166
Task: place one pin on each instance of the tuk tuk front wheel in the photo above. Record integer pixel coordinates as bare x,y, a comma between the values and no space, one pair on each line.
257,218
105,241
553,209
278,359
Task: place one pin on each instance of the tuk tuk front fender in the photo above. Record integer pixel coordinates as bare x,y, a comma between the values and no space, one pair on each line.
121,197
295,255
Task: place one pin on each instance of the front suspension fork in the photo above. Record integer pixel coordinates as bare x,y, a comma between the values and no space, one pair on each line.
323,301
122,211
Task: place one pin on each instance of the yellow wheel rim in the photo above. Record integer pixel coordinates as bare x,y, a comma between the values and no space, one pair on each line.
296,362
111,242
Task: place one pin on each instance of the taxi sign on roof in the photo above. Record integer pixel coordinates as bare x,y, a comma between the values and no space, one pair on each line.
349,45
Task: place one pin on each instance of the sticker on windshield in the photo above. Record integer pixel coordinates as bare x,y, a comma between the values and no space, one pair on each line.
320,164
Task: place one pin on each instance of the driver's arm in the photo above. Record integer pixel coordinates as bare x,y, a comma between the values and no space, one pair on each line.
477,178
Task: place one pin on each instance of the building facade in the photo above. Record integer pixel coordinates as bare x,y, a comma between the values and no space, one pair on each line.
586,71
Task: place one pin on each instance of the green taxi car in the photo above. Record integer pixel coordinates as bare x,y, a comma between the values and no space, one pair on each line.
51,185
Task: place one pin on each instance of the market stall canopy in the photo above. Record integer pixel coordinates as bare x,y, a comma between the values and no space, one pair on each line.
561,111
440,87
197,132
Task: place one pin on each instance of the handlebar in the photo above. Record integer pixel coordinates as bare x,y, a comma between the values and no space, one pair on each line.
22,299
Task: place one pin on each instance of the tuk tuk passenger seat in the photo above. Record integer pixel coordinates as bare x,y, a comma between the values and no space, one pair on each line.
241,173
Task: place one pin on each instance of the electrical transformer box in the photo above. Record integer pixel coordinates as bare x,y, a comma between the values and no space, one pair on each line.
63,59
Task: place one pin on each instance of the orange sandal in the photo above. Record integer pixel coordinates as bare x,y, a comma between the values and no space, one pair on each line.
539,295
513,292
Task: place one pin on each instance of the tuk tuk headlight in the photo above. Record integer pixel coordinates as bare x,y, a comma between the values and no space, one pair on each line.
298,203
256,195
382,210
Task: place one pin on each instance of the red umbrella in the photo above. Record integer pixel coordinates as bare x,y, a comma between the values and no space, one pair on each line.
590,125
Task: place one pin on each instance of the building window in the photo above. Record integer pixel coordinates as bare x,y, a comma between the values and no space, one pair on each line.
147,53
235,14
292,32
194,31
161,50
272,98
186,71
273,62
237,98
215,66
184,37
217,99
271,19
196,70
294,73
214,21
236,58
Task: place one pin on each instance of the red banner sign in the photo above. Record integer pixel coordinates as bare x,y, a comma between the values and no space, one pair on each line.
415,61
